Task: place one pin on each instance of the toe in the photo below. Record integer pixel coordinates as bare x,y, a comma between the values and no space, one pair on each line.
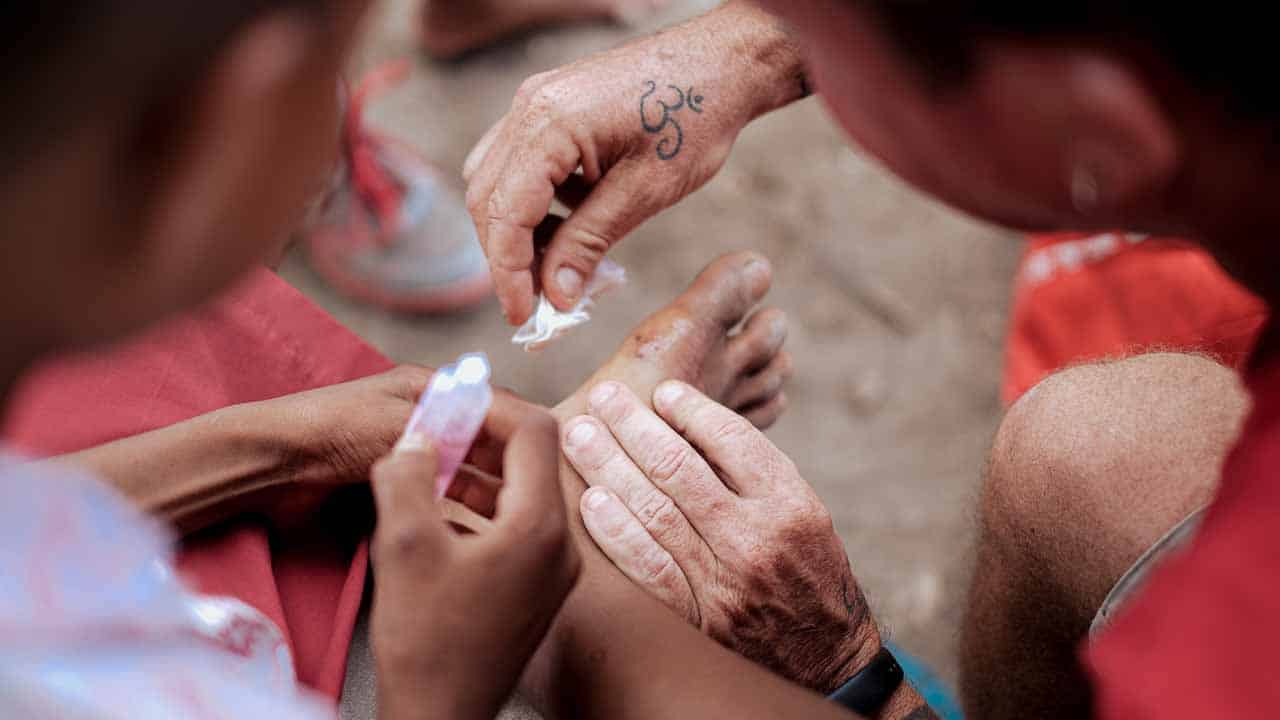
728,288
764,385
764,416
759,341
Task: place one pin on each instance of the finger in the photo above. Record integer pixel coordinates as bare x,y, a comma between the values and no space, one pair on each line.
624,540
573,191
507,413
463,517
530,512
614,207
516,299
665,458
481,150
601,462
477,490
744,456
519,202
409,527
766,415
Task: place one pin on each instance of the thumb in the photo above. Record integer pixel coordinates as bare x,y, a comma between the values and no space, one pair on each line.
409,526
615,207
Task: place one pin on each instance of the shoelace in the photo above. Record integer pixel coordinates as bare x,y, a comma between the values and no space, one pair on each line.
377,187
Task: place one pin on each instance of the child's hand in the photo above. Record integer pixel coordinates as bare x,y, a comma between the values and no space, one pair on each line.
332,436
456,617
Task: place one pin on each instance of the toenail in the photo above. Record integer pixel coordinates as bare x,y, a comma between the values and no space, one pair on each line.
757,267
778,329
668,394
597,498
581,434
570,282
603,393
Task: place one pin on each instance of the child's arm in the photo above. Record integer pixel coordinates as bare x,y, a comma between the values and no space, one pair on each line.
275,457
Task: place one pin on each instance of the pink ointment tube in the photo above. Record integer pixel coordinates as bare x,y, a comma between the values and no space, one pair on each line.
449,415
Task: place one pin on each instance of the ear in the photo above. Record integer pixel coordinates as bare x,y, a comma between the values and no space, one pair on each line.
1080,128
1124,149
227,175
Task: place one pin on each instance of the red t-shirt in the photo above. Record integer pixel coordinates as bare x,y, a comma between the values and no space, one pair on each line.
1201,640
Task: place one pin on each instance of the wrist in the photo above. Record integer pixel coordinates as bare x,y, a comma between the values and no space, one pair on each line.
857,651
766,55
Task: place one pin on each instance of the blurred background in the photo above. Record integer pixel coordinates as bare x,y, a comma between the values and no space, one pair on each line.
897,306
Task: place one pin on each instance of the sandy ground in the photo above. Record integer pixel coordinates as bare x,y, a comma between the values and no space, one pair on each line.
898,309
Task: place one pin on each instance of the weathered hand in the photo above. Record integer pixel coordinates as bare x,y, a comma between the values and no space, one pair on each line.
714,520
647,124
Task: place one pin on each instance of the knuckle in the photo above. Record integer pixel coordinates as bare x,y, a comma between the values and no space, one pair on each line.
400,542
531,85
544,537
589,244
671,460
656,512
409,379
731,432
657,568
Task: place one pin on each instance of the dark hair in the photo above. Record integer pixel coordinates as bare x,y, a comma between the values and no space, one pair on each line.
60,58
1221,50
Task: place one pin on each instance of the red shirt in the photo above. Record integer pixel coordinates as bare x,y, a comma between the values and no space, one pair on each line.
1201,641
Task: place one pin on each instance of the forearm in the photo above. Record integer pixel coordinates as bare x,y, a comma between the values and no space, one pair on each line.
200,471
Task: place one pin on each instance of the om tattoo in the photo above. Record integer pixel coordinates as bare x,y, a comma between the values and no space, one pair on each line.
662,121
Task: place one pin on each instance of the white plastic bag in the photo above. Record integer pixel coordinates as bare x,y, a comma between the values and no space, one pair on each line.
547,323
94,624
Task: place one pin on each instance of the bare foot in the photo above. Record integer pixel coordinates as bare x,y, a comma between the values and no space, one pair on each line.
454,27
692,339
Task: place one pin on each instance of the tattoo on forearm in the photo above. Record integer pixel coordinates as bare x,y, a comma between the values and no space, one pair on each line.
924,712
661,120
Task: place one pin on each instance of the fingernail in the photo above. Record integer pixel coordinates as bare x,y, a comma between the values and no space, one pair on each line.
668,394
411,442
580,434
597,498
602,394
570,282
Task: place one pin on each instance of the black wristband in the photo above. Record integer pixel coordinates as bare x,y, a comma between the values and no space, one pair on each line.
868,691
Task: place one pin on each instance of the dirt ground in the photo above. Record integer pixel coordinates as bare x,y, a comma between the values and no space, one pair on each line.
898,309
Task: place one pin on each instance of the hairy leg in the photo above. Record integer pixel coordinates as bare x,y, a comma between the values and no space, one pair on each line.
1088,470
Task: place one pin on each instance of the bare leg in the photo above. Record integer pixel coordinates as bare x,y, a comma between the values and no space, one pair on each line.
1088,470
454,27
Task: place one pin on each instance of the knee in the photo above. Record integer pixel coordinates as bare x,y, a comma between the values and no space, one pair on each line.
1097,461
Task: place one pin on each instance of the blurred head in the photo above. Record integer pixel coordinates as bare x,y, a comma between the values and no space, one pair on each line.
1058,114
153,151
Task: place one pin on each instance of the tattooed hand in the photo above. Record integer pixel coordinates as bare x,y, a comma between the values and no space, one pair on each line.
699,508
669,146
618,138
